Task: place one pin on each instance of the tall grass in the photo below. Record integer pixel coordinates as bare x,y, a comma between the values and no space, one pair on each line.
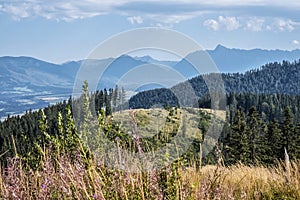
66,178
76,175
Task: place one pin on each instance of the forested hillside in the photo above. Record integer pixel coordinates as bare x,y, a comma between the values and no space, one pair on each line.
262,111
45,148
272,78
249,138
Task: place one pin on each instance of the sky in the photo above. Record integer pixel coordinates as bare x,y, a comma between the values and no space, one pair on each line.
59,31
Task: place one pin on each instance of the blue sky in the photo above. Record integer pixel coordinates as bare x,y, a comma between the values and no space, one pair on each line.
59,31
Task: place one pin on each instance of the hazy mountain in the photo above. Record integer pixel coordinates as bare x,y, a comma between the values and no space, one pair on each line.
29,83
149,59
233,60
239,60
26,70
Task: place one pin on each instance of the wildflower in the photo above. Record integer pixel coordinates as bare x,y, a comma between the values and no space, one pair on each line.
44,185
117,139
95,196
65,190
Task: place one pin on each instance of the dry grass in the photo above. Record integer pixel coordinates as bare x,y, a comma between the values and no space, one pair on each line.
81,178
221,114
64,179
245,182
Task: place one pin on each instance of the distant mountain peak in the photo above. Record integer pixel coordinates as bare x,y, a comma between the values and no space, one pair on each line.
220,47
145,58
124,56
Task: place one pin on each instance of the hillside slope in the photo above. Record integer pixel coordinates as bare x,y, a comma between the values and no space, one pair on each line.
272,78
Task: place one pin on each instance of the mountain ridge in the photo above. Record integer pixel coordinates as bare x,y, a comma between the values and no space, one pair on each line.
27,81
272,78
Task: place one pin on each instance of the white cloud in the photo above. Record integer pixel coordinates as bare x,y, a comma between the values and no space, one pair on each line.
164,12
280,3
17,12
167,21
255,24
295,42
66,10
251,23
229,23
55,9
135,20
171,19
283,25
223,23
212,24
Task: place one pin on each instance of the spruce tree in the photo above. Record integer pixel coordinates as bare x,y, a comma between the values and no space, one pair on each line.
288,133
274,142
237,146
115,97
297,141
256,132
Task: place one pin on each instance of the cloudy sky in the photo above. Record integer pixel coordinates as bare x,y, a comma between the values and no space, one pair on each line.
60,30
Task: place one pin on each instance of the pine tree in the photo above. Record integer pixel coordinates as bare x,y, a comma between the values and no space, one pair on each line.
72,139
237,142
89,126
256,132
274,142
297,141
115,96
288,133
123,95
107,102
43,126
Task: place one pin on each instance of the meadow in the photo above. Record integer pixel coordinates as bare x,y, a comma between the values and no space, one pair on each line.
65,178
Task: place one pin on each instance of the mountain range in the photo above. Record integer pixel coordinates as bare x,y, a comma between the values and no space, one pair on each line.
29,83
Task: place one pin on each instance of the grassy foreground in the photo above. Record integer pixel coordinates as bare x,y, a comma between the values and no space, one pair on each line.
78,176
66,179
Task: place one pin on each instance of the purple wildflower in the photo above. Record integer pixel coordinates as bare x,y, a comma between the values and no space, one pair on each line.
44,185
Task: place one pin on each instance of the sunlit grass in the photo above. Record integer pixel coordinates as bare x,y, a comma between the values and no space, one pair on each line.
67,179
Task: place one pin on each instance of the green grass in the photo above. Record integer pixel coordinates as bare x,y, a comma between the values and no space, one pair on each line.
152,121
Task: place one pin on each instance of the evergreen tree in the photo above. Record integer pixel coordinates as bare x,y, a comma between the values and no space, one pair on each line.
288,133
297,141
237,147
123,95
107,100
89,127
256,132
72,139
115,97
274,142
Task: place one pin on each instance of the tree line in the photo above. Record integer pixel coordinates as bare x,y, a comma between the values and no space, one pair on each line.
249,139
25,135
270,79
